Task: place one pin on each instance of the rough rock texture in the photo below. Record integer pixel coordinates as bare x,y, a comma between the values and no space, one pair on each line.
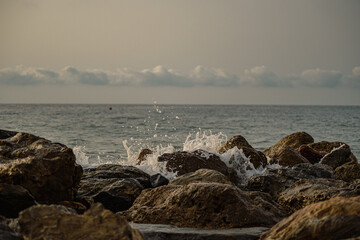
337,218
257,158
13,199
186,162
325,146
46,169
311,154
6,232
201,175
57,222
142,155
348,172
77,206
199,205
308,191
158,180
274,181
289,157
337,157
294,140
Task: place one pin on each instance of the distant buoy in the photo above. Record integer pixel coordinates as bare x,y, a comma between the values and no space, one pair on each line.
110,108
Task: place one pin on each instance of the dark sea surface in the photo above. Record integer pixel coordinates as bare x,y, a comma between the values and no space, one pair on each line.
100,135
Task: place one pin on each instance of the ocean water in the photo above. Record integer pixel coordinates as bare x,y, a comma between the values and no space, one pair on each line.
99,135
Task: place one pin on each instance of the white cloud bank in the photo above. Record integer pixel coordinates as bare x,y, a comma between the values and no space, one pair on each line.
260,76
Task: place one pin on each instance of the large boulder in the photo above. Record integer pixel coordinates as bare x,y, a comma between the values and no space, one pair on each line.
199,205
201,175
348,172
14,199
289,157
58,222
337,157
47,170
337,218
311,154
257,158
294,140
325,146
274,181
186,162
307,191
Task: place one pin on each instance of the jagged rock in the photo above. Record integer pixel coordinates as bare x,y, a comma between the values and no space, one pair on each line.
325,146
294,140
348,172
187,162
142,155
337,218
289,157
337,157
158,180
199,205
311,154
114,193
274,181
13,199
257,158
202,175
307,191
46,169
57,222
77,206
6,232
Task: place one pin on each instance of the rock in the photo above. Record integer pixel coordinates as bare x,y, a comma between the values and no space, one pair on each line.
337,218
187,162
158,180
289,157
77,206
199,205
57,222
143,154
202,175
47,170
14,199
6,134
337,157
294,140
307,191
348,172
115,194
327,147
6,232
274,181
257,158
311,154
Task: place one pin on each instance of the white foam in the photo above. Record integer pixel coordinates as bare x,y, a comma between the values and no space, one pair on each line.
80,154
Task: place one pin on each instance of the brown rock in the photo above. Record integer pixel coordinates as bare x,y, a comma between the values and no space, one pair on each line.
6,232
77,206
57,222
201,175
289,157
337,218
337,157
311,154
199,205
294,140
142,155
325,146
307,191
236,141
47,170
348,172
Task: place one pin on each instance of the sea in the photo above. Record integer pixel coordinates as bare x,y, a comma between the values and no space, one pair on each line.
115,133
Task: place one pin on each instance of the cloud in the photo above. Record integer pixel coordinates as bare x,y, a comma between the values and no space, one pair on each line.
160,76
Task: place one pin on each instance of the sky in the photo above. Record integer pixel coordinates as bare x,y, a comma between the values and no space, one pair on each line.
180,51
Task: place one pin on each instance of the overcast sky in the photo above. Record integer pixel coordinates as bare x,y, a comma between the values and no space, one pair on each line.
180,51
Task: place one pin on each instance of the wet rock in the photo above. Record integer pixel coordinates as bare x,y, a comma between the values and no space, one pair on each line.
158,180
143,154
294,140
46,169
115,194
289,157
274,181
325,146
337,157
337,218
199,205
13,199
348,172
307,191
311,154
186,162
202,175
257,158
6,232
6,134
57,222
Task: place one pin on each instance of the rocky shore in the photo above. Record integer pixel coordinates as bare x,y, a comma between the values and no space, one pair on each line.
314,193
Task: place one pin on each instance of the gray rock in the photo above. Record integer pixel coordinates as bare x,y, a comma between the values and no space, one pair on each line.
158,180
